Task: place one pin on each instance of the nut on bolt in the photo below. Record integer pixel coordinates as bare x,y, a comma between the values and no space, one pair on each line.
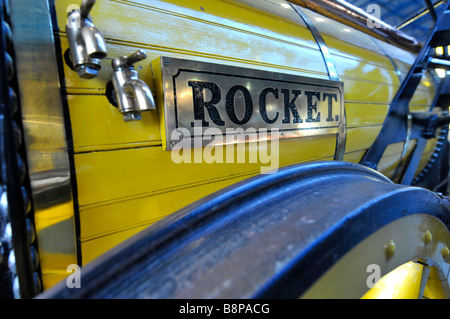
427,237
445,252
389,249
86,72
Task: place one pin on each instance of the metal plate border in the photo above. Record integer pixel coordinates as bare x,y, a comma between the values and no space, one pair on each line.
171,66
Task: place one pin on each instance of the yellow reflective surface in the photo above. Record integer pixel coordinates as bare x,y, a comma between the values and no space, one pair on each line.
126,181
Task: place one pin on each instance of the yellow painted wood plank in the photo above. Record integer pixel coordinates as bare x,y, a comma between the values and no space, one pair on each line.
104,227
253,42
99,221
357,54
120,19
290,63
347,42
95,248
109,175
361,137
358,114
388,164
367,91
354,157
98,125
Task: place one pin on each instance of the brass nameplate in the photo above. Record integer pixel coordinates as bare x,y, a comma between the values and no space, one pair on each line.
205,97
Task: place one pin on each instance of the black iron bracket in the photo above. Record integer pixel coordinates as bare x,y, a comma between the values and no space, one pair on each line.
424,125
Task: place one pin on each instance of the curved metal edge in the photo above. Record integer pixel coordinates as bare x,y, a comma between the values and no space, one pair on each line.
45,137
199,213
355,17
391,60
341,137
329,63
299,276
349,276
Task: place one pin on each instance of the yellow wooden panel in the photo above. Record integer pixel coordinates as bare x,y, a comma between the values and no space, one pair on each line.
97,85
347,42
358,58
351,59
126,181
99,221
121,19
388,164
419,108
361,114
421,98
367,92
397,148
94,248
108,175
103,227
98,125
361,138
245,44
354,157
391,157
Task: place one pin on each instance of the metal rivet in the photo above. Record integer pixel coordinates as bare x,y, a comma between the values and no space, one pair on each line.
7,32
166,62
445,252
17,135
427,237
16,288
37,283
4,209
22,168
389,249
12,262
13,104
31,234
26,200
7,237
9,66
34,258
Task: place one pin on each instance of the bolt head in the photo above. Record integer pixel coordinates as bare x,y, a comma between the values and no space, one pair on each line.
427,237
85,72
4,208
445,252
16,288
12,262
389,249
7,236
